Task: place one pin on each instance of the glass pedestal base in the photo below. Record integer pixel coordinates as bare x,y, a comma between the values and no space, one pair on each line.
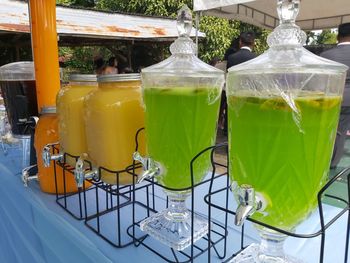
252,254
173,226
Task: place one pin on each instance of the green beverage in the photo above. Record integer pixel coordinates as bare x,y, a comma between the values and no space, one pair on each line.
181,122
283,151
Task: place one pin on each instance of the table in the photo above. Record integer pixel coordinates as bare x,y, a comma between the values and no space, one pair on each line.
33,228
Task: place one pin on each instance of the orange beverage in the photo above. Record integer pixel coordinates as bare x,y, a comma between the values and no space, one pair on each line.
46,132
45,50
113,114
70,111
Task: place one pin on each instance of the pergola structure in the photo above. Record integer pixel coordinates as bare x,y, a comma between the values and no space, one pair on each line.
86,27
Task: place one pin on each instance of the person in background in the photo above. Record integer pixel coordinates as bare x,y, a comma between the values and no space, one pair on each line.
99,65
246,44
234,47
240,51
126,70
341,54
112,67
217,63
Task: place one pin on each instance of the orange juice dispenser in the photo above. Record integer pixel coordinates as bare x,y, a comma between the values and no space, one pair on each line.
70,102
45,53
113,115
69,129
46,132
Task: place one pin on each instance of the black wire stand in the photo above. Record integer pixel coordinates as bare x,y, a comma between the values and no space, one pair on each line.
74,202
214,202
158,201
102,206
114,212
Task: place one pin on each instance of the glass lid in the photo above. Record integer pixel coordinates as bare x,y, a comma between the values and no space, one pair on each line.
23,70
286,52
183,60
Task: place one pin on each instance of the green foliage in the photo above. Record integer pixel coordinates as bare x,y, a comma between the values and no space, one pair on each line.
9,54
167,8
80,59
261,36
260,42
327,37
219,34
83,3
324,38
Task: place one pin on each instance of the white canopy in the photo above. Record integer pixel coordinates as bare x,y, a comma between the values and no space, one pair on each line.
314,14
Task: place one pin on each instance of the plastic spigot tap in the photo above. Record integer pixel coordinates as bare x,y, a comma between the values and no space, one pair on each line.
48,157
249,203
80,174
26,177
150,167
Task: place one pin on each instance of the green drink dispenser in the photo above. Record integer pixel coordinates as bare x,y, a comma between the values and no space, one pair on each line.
181,97
283,109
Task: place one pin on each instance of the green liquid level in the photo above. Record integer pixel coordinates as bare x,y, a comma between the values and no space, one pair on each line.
180,122
284,154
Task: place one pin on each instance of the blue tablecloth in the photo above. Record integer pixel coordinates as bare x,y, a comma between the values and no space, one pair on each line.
33,228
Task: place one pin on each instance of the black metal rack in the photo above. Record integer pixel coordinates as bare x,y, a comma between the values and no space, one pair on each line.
72,203
217,231
122,207
97,200
212,203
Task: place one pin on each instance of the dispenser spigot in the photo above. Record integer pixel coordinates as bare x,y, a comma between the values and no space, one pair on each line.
26,177
80,174
249,202
48,157
150,167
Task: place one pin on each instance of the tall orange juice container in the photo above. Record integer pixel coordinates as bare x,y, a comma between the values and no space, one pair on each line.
71,128
46,132
113,115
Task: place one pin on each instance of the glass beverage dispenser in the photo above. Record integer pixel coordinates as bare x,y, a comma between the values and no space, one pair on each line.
18,88
70,111
71,128
283,111
181,96
46,132
113,113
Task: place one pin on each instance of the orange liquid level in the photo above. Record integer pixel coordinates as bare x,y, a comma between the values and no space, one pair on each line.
70,106
46,132
45,50
113,114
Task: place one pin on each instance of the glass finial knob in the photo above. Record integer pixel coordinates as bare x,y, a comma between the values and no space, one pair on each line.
287,33
287,10
184,21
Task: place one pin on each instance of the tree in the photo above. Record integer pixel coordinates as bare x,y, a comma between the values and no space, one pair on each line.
325,37
80,59
82,3
219,34
167,8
